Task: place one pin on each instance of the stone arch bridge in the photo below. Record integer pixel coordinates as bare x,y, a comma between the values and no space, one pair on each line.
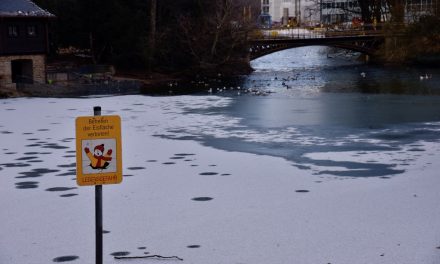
270,41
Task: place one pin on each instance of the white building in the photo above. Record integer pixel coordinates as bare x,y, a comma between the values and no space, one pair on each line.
282,11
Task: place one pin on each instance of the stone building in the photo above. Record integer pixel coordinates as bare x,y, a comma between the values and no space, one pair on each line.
23,43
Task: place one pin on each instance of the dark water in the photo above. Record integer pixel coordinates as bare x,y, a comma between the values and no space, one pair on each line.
310,100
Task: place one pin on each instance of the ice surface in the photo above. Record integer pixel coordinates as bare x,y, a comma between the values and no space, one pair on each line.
210,206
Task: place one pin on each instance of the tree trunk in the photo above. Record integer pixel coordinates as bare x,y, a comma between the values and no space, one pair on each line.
151,35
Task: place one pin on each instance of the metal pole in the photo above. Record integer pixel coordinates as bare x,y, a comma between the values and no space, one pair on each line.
98,209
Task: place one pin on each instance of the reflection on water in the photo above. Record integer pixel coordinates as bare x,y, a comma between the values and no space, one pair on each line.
323,102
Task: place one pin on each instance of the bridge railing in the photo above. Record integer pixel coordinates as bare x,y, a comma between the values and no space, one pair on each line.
305,33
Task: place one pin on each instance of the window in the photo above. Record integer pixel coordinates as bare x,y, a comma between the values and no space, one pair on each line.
13,31
265,2
265,10
31,31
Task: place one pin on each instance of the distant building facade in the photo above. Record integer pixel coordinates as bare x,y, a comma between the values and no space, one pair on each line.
337,11
283,12
417,8
23,42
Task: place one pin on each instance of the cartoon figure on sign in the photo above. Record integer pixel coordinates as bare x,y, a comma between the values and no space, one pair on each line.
99,161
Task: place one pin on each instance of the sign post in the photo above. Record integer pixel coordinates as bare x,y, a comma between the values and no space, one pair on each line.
98,160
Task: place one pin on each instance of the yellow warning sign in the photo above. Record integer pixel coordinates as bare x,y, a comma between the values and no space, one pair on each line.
98,150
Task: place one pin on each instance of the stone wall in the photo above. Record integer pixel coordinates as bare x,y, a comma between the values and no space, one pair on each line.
38,71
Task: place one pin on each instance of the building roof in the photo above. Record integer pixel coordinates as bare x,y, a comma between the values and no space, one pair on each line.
22,8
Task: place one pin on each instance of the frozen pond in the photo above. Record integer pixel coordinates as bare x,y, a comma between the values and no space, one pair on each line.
301,175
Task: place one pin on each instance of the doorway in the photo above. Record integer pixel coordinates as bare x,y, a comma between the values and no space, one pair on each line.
22,71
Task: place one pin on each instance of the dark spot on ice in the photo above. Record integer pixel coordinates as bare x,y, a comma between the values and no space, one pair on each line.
138,104
168,163
177,157
26,185
70,173
142,247
35,173
10,153
30,153
27,158
126,109
128,175
67,139
105,232
54,146
120,253
15,165
69,156
71,109
151,160
6,132
27,133
437,247
202,199
10,109
71,165
43,129
208,173
61,189
68,195
136,168
34,161
385,177
33,145
184,154
45,153
225,174
194,165
212,165
71,151
65,258
302,191
33,139
193,246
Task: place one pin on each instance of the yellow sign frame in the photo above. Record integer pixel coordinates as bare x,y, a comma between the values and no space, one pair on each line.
98,150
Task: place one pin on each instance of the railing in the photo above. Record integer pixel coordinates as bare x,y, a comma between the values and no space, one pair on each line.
316,33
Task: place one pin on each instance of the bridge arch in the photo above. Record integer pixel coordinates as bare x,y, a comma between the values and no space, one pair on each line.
365,44
269,50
